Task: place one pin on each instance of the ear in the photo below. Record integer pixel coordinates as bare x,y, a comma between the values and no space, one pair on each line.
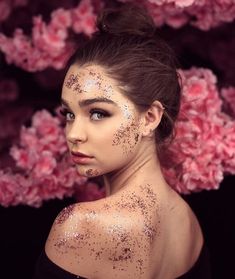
152,117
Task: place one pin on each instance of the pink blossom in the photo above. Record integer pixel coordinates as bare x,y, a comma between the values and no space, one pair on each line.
204,148
25,159
49,45
203,14
45,170
45,164
11,190
179,3
83,18
28,137
45,124
229,99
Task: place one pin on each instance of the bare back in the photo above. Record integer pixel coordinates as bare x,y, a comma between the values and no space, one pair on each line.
132,234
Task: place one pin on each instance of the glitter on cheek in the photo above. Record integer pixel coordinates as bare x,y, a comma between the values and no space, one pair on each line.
92,172
126,112
127,137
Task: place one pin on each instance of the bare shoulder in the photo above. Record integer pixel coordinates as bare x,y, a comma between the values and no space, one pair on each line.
69,242
96,238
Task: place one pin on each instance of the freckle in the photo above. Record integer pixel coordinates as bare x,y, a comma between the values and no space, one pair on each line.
64,214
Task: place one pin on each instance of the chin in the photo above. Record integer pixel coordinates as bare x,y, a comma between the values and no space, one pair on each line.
88,171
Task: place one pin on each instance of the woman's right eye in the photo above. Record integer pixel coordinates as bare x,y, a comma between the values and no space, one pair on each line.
69,116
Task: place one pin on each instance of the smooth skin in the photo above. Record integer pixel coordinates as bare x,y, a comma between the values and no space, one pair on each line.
142,228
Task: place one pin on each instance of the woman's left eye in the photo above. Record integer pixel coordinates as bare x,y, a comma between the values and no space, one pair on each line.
98,114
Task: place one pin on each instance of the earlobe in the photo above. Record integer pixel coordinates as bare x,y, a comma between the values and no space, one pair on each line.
152,118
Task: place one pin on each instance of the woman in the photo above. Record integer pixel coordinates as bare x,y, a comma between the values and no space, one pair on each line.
120,98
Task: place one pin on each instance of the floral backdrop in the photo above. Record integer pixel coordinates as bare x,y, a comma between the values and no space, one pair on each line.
36,40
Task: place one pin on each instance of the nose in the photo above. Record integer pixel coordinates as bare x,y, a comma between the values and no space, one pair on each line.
75,132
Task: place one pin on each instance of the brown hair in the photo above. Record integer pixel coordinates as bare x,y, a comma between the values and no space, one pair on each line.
127,46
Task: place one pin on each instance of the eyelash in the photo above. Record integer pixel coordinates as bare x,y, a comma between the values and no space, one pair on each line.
65,111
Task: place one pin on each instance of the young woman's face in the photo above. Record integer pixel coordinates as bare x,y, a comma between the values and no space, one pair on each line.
100,121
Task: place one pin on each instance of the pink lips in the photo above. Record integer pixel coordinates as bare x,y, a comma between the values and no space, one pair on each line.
80,158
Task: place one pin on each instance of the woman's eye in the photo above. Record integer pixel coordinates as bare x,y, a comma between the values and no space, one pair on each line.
69,116
98,114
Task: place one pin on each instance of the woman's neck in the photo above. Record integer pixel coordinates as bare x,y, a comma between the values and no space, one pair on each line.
143,166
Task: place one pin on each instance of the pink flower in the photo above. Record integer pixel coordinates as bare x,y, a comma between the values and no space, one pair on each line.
200,13
46,125
83,18
25,159
49,39
228,95
177,3
49,45
45,164
45,169
204,148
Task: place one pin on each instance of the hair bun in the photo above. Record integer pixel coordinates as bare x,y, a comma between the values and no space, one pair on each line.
127,19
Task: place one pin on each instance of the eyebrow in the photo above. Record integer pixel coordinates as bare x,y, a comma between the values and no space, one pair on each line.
88,102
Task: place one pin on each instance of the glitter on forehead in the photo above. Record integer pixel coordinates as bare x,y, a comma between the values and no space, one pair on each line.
71,80
89,83
77,88
108,90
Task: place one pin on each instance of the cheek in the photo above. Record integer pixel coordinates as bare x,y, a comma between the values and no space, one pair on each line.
126,137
